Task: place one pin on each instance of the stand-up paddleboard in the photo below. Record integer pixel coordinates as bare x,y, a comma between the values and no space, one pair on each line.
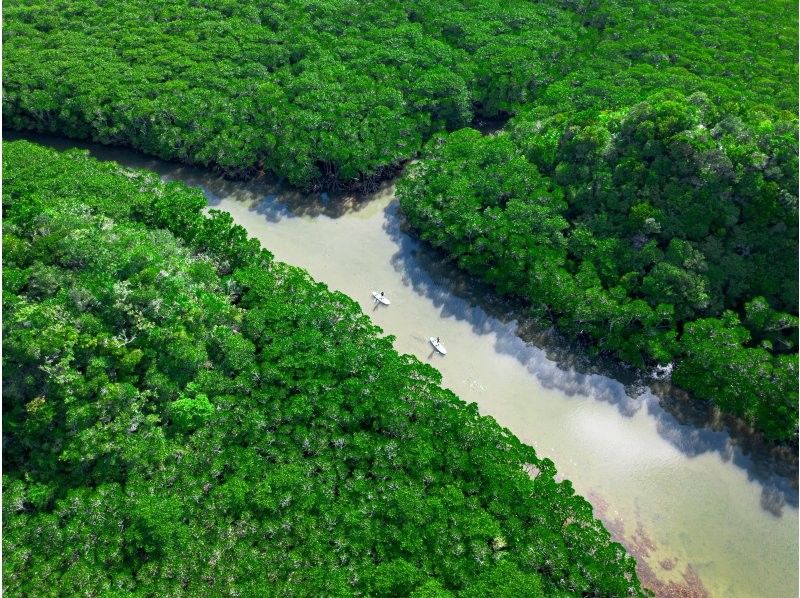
382,298
438,346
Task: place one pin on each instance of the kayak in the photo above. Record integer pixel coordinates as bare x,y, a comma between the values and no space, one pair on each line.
382,298
438,346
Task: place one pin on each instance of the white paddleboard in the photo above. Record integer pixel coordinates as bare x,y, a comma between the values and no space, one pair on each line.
383,299
438,346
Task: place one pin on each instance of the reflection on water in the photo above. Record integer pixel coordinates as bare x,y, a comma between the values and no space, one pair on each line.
702,508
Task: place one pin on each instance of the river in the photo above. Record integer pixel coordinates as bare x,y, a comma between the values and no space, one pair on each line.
701,516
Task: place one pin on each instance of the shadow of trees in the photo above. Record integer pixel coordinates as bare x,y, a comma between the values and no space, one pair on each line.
693,427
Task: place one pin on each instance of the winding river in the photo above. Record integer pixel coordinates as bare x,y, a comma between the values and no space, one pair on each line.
701,516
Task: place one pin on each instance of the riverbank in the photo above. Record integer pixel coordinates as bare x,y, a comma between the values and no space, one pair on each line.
670,488
689,501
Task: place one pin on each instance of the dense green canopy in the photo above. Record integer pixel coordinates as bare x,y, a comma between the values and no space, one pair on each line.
185,416
317,91
646,200
329,91
743,55
665,231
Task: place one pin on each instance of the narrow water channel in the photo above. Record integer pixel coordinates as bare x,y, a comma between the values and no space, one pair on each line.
700,516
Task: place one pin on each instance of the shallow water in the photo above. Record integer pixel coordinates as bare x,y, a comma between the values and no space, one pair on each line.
686,501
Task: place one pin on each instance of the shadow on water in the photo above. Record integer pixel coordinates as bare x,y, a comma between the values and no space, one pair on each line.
693,427
276,201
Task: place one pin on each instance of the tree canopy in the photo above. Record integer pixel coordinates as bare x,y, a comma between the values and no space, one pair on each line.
325,92
319,92
184,416
662,232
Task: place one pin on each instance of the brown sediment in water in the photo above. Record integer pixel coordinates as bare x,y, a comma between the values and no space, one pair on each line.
690,587
640,545
641,542
668,564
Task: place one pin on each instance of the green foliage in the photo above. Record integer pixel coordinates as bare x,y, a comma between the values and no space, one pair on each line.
643,221
330,92
741,55
747,381
648,177
184,416
318,92
188,414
